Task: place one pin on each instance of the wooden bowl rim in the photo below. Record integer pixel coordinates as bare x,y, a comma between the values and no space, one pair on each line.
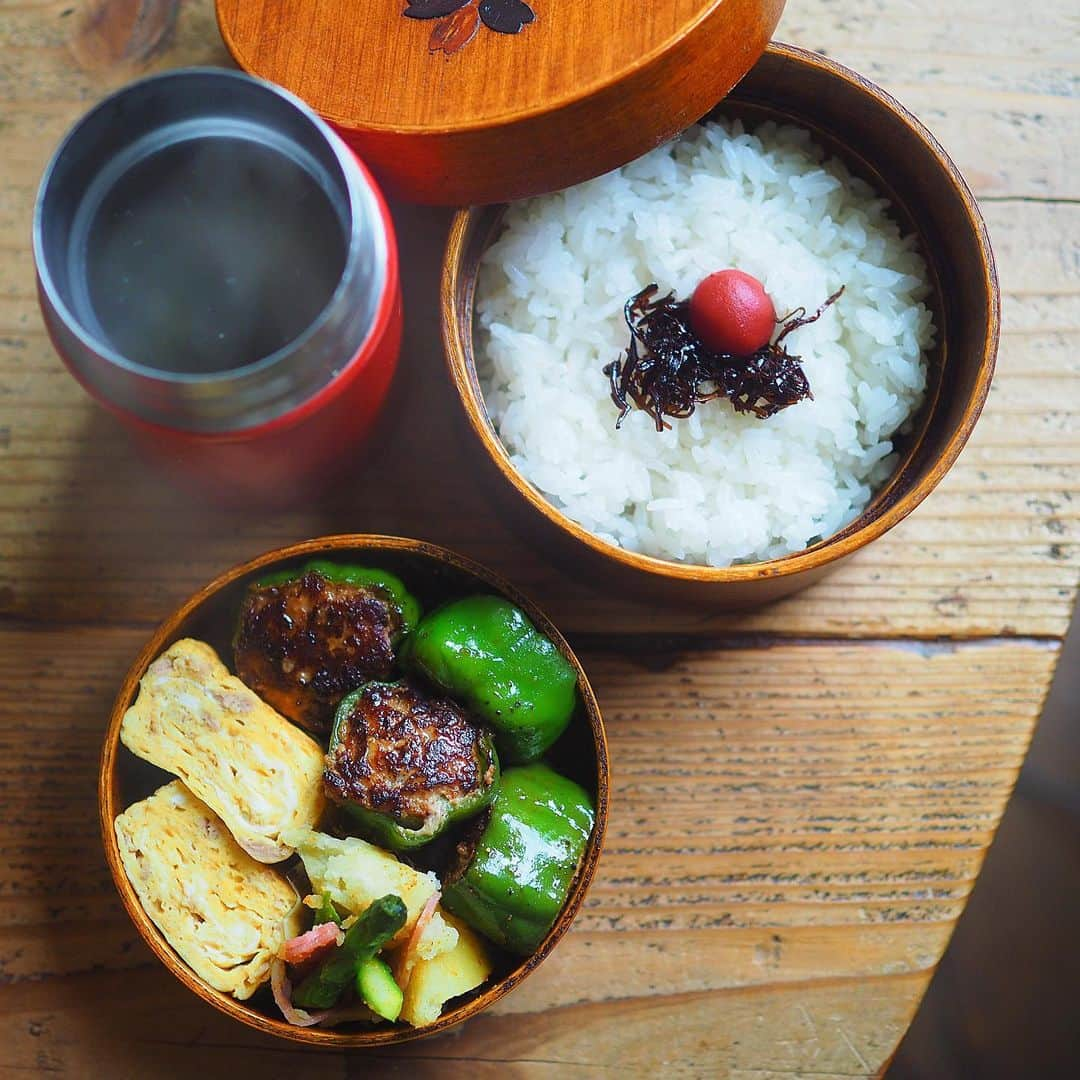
108,801
462,374
510,115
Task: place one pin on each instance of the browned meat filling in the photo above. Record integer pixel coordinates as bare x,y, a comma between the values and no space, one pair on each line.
303,645
402,753
462,855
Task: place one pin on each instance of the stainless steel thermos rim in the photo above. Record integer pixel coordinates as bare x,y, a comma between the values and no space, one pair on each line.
255,125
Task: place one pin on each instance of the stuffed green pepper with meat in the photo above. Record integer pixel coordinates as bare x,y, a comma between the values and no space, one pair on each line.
407,765
307,637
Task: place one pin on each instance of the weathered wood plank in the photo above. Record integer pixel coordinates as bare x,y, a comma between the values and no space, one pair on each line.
838,1029
997,95
993,552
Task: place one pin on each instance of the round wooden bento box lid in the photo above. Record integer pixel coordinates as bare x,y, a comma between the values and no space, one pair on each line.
478,101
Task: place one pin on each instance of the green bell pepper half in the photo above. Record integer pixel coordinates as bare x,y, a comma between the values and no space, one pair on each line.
408,607
442,808
363,940
519,875
484,651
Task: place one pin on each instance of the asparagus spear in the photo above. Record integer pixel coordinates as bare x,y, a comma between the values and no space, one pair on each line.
363,940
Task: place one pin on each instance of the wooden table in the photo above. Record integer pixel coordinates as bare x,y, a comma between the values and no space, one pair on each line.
802,795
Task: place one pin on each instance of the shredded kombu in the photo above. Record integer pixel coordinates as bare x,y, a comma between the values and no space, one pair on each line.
668,371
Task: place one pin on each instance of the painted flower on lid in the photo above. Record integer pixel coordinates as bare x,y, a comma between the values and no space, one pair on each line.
457,21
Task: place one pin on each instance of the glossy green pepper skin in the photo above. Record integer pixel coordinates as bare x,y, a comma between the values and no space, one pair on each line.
408,607
520,872
485,652
407,765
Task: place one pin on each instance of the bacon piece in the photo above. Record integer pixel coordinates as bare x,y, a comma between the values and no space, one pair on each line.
408,957
307,947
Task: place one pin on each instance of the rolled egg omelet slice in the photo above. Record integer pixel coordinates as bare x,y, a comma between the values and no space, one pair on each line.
259,773
225,914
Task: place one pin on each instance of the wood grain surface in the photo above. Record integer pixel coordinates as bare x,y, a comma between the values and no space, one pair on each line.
802,795
448,111
371,64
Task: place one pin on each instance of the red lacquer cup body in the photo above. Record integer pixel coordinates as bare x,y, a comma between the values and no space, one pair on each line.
301,452
220,272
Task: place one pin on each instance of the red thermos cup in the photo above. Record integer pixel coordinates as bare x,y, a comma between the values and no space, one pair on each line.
219,270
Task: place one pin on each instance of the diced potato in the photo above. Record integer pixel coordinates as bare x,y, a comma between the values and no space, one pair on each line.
450,974
354,873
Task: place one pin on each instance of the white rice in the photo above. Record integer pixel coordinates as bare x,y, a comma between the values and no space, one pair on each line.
718,487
